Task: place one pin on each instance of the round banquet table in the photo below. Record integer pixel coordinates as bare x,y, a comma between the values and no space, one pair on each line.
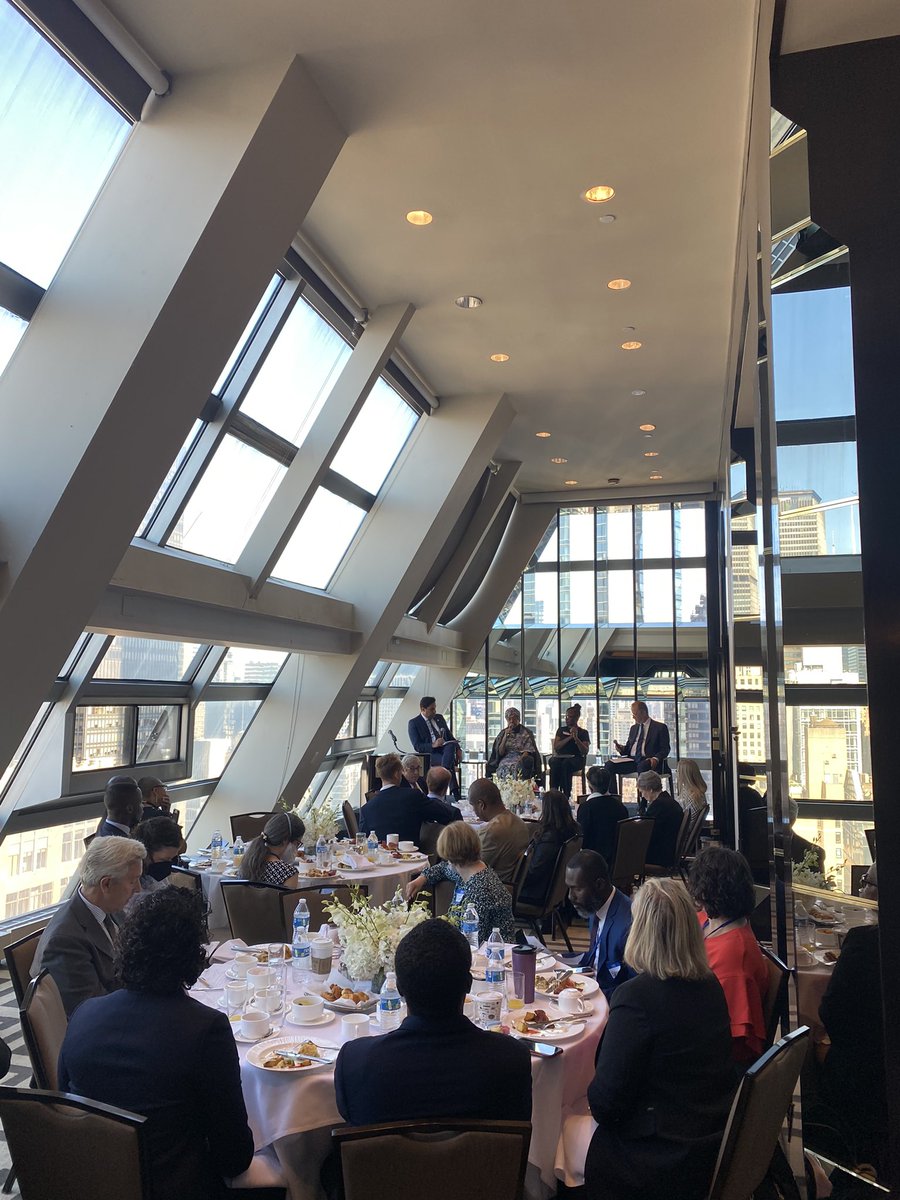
294,1114
381,880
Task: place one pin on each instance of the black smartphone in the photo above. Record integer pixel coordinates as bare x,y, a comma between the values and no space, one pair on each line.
544,1050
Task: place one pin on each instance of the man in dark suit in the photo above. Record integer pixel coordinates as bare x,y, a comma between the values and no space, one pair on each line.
599,815
124,802
667,814
608,912
647,746
77,946
430,734
469,1072
398,809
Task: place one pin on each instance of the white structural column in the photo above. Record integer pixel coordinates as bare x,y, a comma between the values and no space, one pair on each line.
306,472
130,338
380,575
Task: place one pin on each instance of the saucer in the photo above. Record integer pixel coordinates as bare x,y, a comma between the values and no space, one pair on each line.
323,1020
222,1003
239,1037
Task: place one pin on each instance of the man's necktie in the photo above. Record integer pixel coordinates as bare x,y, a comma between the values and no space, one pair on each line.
111,928
639,744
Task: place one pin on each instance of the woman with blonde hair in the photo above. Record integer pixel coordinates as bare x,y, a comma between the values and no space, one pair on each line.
690,786
664,1080
475,882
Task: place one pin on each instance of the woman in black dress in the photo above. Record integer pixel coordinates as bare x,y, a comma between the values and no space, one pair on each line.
556,825
570,750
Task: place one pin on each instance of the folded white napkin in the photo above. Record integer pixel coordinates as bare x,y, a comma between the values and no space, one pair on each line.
349,859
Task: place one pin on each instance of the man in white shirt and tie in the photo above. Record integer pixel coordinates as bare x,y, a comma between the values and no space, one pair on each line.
647,747
430,735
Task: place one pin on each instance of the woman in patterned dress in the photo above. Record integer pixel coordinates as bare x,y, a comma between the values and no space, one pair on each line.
270,858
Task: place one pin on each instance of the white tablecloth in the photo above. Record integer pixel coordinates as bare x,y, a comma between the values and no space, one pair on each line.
294,1114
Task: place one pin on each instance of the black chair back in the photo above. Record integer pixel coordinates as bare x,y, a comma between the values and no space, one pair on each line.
184,877
254,910
19,957
248,825
67,1148
350,821
632,840
775,999
757,1114
491,1156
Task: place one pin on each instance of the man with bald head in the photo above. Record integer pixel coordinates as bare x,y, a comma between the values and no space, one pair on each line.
646,748
504,836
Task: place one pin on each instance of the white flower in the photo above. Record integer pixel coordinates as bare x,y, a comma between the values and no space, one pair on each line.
320,820
516,793
369,934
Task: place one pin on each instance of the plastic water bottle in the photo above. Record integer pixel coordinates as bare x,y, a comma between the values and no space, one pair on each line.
372,846
301,950
494,973
322,854
389,1003
215,846
301,918
470,927
237,851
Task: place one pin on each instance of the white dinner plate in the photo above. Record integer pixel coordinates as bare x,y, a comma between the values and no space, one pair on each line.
589,986
344,1006
558,1033
263,1050
325,1018
819,956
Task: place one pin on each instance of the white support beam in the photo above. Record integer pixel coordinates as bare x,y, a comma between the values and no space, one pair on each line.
163,276
285,744
496,492
321,444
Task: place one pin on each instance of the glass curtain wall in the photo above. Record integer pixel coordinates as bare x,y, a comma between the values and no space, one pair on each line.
610,609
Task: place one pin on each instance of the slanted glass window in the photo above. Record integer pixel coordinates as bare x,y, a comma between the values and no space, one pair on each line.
243,665
375,438
320,541
148,658
23,746
35,867
297,375
123,735
245,337
58,139
219,726
157,732
172,472
11,330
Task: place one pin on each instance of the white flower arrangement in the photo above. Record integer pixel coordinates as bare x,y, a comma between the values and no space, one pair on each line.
370,935
319,820
516,793
807,872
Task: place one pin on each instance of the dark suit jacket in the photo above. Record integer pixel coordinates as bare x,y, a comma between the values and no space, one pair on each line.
173,1060
609,953
662,1090
107,829
667,815
402,810
656,744
420,735
599,818
446,1068
77,953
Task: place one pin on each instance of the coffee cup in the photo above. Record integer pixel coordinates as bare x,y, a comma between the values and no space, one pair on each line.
306,1009
392,839
321,955
254,1024
489,1005
242,963
470,1008
236,993
260,977
355,1025
406,847
570,1002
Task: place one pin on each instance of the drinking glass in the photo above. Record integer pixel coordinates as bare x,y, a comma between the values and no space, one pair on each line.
276,962
515,990
236,996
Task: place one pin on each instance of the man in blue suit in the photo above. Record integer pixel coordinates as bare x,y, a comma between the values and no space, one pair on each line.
430,734
609,914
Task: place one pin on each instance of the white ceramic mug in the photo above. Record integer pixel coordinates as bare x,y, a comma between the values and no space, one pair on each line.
242,963
268,999
355,1025
406,847
570,1002
236,993
306,1009
260,977
489,1005
470,1008
392,839
254,1024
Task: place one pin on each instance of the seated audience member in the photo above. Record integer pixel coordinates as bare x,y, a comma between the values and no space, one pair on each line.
272,857
647,746
156,799
514,754
556,826
429,734
398,809
437,782
665,1079
690,786
608,912
666,815
438,1063
152,1049
77,946
570,750
411,766
854,1073
161,838
504,835
721,886
123,803
475,882
599,815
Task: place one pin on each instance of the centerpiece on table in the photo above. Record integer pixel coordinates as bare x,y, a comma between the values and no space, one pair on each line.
319,820
516,793
807,872
370,934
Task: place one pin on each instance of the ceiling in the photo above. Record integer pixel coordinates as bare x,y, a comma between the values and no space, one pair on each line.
495,115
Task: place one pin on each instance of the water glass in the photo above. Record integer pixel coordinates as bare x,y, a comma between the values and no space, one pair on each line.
515,990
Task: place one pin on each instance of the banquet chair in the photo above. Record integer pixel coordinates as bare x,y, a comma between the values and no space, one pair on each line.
632,839
19,957
757,1113
350,821
684,831
382,1162
429,832
775,999
248,825
691,842
554,895
70,1148
254,910
315,901
184,877
44,1023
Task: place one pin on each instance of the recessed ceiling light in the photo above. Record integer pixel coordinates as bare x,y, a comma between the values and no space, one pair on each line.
419,216
468,302
619,285
571,483
599,194
639,392
632,345
543,433
607,218
655,475
647,428
651,454
559,461
499,358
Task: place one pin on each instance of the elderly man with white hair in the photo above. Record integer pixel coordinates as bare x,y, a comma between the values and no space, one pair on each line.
412,773
77,946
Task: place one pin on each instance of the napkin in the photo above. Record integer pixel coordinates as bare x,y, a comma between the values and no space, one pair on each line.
349,859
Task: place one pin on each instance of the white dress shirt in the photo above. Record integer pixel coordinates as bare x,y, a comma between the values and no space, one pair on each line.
98,913
642,738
